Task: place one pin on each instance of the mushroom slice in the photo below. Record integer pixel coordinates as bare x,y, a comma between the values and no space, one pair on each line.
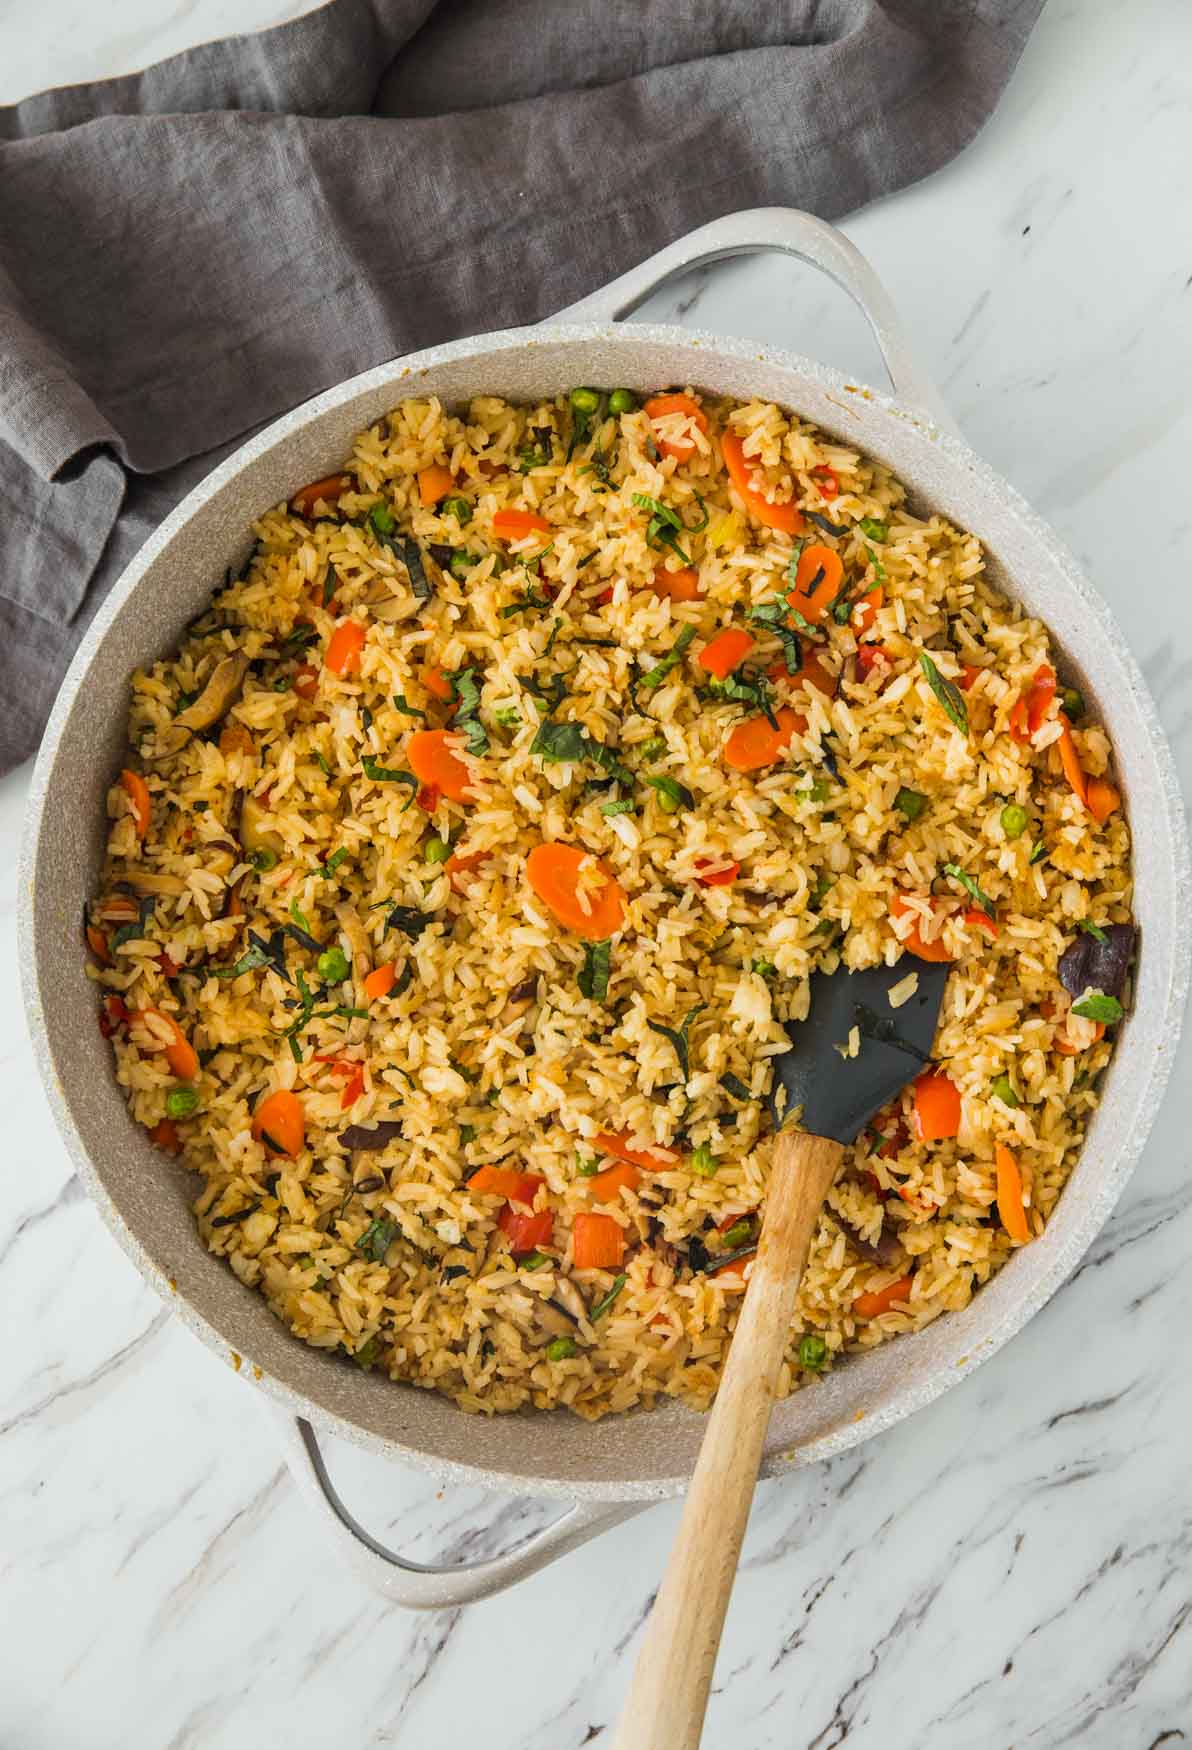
568,1296
223,688
348,919
146,881
254,834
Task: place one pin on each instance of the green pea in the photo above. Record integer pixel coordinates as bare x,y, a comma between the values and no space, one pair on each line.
622,401
704,1162
910,803
1072,702
461,563
817,791
584,400
382,519
459,508
333,965
264,860
181,1102
739,1234
562,1349
533,1261
436,850
813,1352
1002,1088
1014,820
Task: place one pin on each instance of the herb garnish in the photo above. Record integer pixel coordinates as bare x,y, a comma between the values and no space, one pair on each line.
735,1086
562,743
876,530
387,774
679,1037
971,888
603,1305
655,676
821,522
334,860
593,977
671,794
401,703
377,1238
745,686
1096,1006
466,692
665,524
1091,929
248,962
946,691
910,803
409,920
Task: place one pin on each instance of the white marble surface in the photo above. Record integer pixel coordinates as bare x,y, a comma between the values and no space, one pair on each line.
1011,1568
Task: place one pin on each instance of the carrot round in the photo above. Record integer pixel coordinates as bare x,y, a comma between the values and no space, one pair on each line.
678,586
720,655
330,490
506,1182
786,517
1065,1046
662,407
914,943
598,1242
344,647
811,672
936,1111
1010,1206
436,682
137,791
165,1135
280,1123
98,944
462,862
553,871
755,743
1070,760
981,920
165,1031
380,982
818,577
434,483
435,761
616,1144
515,525
606,1187
880,1300
1101,799
865,612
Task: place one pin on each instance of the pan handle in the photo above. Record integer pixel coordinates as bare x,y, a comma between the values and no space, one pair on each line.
783,231
425,1588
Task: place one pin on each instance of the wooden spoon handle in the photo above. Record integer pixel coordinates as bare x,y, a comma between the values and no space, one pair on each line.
669,1693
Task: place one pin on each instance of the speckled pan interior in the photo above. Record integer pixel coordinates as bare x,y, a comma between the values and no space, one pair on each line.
143,1196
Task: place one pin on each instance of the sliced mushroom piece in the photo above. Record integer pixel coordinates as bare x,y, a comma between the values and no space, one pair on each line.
885,1250
348,919
566,1295
255,836
223,688
149,881
550,1320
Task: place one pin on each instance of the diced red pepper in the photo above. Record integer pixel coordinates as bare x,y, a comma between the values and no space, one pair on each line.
525,1232
829,485
719,874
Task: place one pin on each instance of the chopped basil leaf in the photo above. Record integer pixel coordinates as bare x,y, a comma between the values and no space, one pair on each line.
628,806
680,1037
822,522
401,703
466,691
248,962
602,1306
655,676
703,1162
409,920
568,743
877,531
1038,852
745,686
1002,1088
334,860
377,1238
324,767
736,1087
1091,929
1096,1006
672,796
299,917
593,978
971,888
946,691
387,774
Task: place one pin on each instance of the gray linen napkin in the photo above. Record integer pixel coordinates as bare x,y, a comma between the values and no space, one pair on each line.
190,251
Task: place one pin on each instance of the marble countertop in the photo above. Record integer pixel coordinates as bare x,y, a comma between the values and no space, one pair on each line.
1013,1567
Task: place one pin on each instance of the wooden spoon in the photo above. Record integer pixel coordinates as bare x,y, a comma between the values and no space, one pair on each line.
669,1693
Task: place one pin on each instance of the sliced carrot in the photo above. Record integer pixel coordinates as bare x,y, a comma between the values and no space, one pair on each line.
353,1088
662,407
873,1305
786,517
380,982
306,681
330,490
606,1187
1070,760
936,1112
280,1123
721,654
436,682
811,672
1102,800
553,871
617,1144
865,612
735,1266
1040,696
827,482
914,944
968,676
98,944
873,657
515,525
434,759
164,1134
818,577
434,483
506,1182
180,1053
525,1233
679,586
981,920
137,791
1010,1206
460,862
112,1016
1065,1046
718,875
754,743
598,1242
344,647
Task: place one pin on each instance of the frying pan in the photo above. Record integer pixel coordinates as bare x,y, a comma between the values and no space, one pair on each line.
609,1470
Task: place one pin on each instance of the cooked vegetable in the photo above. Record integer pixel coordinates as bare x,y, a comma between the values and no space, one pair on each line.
865,612
330,491
436,850
936,1111
813,1352
182,1102
344,648
434,483
166,1033
679,586
754,743
561,1349
913,943
875,530
1096,1006
137,791
506,1182
723,653
380,982
377,1238
562,743
622,401
786,516
280,1123
655,676
409,920
555,871
1072,703
164,1135
1098,962
606,1187
436,682
661,407
672,796
1010,1206
432,753
970,887
736,1087
1070,760
680,1037
526,1231
512,524
602,1306
818,579
223,688
617,1144
1002,1088
593,976
718,874
333,965
1101,800
1091,929
910,803
872,1305
946,691
1014,820
368,1138
703,1162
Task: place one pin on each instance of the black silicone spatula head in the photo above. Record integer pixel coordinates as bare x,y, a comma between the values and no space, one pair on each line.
838,1095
